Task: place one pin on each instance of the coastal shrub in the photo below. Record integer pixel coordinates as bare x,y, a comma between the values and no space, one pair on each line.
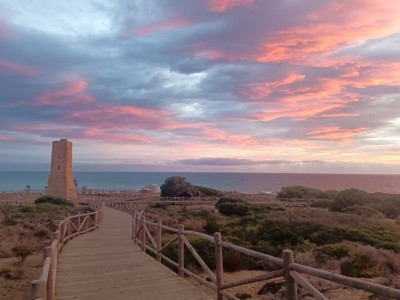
209,191
22,250
9,221
177,186
5,272
322,203
331,251
4,208
329,194
28,208
229,209
367,262
364,211
278,234
228,200
351,197
53,200
390,207
299,191
211,227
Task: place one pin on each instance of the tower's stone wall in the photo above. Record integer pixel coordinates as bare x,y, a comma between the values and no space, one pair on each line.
61,181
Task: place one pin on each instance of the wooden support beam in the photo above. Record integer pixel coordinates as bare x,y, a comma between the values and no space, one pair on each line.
219,267
181,251
291,287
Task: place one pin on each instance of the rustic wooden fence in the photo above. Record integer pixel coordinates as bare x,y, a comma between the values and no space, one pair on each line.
44,287
287,268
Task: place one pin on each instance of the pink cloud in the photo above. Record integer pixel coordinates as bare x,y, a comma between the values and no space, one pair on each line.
118,137
8,67
5,138
336,133
263,89
70,93
115,136
236,140
175,23
338,115
223,5
125,117
341,23
299,113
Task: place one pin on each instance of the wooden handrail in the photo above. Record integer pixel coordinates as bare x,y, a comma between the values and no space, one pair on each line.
289,271
44,287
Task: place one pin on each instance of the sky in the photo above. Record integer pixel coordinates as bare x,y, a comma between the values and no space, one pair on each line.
202,85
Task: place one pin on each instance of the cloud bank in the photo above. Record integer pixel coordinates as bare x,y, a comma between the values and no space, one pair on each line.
243,85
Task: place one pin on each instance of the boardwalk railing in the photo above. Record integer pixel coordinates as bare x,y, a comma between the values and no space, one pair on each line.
44,287
286,267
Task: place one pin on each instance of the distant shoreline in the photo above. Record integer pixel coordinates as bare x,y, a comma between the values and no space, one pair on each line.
251,183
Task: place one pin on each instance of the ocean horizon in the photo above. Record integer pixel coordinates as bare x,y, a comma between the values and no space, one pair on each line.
242,182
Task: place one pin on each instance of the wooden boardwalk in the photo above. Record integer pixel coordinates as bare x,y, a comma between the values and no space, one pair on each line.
106,264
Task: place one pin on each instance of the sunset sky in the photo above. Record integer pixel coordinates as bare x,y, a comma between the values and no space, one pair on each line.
202,85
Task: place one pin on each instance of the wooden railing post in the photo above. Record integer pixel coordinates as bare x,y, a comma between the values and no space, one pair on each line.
38,289
133,227
79,223
219,267
291,287
59,237
69,227
87,222
181,251
48,252
143,233
95,218
158,239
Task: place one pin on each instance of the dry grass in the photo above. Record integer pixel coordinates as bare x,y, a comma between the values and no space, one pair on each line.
24,232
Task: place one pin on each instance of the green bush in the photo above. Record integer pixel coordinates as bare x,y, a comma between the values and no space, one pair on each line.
228,200
299,192
53,208
229,209
177,186
322,203
352,197
329,194
5,272
208,191
211,227
331,251
279,235
28,208
364,211
390,207
4,208
53,200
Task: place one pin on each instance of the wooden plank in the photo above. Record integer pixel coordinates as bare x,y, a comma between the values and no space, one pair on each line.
106,264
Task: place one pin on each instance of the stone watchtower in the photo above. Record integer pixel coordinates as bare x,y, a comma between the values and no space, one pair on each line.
61,181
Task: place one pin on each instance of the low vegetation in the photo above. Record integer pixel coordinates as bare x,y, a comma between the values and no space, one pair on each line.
352,201
53,200
348,234
24,232
306,193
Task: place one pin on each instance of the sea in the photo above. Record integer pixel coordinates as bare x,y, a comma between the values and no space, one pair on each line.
242,182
